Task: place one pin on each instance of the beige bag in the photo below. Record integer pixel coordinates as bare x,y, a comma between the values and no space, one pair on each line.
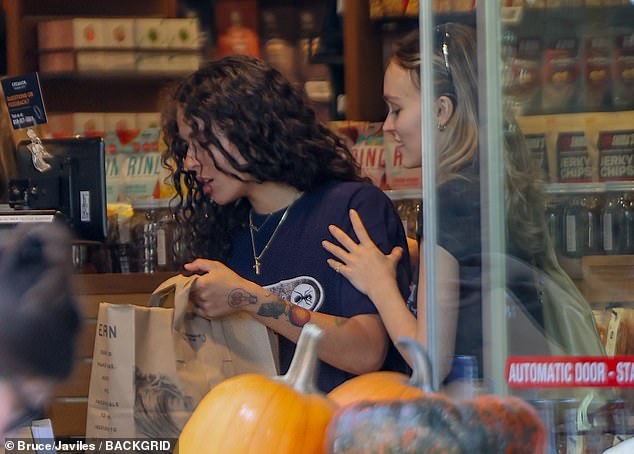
152,365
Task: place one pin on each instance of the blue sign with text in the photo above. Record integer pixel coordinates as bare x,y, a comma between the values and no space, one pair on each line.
23,96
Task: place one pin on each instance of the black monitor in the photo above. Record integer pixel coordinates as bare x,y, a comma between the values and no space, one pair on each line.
75,185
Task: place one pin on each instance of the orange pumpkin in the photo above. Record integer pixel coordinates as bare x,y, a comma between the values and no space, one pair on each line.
253,413
383,385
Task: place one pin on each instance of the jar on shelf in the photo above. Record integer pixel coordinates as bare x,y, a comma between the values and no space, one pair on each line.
153,235
580,234
612,223
617,224
553,221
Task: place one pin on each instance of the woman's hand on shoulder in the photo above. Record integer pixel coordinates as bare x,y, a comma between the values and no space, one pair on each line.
362,263
218,291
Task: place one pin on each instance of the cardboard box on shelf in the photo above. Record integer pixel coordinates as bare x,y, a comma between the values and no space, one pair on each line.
145,120
152,62
89,124
183,62
71,61
119,61
59,125
76,33
184,33
151,33
118,32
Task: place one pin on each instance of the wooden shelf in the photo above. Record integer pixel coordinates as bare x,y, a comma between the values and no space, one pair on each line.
608,278
81,94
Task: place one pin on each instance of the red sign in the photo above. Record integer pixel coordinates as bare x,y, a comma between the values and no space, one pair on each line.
569,371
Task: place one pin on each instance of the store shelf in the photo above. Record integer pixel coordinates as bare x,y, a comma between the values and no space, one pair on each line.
404,194
589,188
74,92
608,278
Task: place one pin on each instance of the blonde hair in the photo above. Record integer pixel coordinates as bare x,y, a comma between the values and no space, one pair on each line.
457,77
7,149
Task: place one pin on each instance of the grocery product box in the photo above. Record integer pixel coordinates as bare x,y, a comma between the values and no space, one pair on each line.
59,125
152,61
118,32
151,33
145,120
183,62
183,33
85,124
119,60
122,124
365,141
88,124
57,61
77,33
397,176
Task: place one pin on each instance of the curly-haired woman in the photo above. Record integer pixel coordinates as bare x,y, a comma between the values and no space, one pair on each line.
259,180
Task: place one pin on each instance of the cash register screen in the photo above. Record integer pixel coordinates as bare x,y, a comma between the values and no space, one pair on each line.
75,185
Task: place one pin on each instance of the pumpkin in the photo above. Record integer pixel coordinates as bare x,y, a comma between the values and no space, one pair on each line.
434,423
253,413
509,424
384,385
429,424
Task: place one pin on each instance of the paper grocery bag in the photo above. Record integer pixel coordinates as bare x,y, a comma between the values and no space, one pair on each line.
152,364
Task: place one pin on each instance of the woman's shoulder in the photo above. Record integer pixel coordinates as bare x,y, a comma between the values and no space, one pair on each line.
346,190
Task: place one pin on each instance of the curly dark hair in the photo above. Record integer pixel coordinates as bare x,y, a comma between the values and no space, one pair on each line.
271,125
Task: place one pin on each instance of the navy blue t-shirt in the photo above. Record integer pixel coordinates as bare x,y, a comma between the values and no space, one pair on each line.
294,265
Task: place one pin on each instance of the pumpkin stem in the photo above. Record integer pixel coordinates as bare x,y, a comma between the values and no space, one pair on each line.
421,365
303,369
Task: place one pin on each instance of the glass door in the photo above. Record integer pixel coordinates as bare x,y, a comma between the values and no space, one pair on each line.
545,276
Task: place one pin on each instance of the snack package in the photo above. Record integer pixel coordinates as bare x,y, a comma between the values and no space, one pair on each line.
616,155
620,335
521,75
397,176
365,140
623,71
560,87
575,163
535,129
597,76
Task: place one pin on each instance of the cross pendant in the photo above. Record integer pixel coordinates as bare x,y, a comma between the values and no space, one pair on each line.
257,267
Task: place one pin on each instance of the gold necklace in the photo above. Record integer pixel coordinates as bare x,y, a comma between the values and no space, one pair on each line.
255,228
257,258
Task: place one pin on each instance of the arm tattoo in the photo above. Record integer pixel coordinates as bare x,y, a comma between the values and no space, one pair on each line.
239,297
297,316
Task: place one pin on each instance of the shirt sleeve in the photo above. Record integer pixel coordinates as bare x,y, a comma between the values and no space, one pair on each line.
385,227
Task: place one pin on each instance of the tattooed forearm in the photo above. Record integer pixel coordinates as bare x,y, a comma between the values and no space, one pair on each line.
240,297
274,309
297,316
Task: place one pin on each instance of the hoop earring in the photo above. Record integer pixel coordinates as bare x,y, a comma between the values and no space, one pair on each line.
441,126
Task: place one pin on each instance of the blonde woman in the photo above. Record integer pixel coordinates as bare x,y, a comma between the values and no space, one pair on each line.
459,251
